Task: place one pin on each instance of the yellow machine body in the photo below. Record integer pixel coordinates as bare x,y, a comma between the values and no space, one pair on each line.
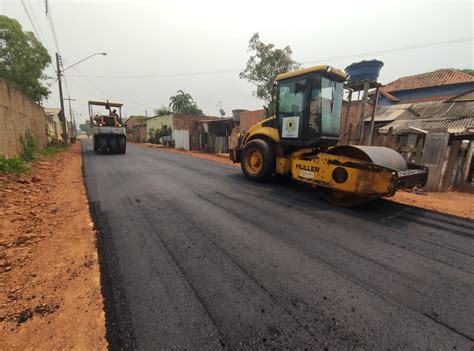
350,174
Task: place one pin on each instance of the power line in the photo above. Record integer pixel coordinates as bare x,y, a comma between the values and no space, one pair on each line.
103,89
405,48
31,20
36,21
53,29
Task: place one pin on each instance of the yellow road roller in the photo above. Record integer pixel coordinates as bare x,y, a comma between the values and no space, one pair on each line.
301,141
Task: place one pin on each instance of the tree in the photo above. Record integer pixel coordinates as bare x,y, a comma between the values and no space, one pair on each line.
184,103
467,70
162,111
85,127
23,59
264,65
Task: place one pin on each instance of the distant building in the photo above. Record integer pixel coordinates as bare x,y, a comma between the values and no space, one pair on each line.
136,129
439,85
183,127
54,125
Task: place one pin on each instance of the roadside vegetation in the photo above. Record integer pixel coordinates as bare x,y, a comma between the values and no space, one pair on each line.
23,59
30,152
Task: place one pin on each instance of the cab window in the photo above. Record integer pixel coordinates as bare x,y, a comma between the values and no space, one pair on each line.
314,120
291,106
331,104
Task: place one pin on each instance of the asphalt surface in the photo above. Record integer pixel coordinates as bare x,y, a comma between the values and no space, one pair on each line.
194,256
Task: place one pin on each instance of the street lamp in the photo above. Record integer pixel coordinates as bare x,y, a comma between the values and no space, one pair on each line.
61,101
88,57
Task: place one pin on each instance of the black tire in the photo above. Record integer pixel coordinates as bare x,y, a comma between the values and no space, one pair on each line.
114,145
96,145
266,163
102,144
122,145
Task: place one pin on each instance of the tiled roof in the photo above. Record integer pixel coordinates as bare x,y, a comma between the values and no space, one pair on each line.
429,98
429,79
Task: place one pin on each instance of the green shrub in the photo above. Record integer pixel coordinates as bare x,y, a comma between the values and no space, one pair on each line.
28,146
13,165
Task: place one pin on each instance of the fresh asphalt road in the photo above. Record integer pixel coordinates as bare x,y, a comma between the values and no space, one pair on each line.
194,256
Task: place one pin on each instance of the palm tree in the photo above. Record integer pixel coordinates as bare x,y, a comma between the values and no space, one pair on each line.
181,101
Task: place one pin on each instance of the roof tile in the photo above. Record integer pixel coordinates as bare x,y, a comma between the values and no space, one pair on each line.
429,79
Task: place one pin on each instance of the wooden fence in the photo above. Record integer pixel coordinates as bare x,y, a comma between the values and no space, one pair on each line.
449,165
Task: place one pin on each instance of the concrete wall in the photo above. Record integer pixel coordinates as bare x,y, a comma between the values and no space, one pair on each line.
18,113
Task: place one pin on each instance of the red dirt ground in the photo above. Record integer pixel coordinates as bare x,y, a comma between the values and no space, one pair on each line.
50,294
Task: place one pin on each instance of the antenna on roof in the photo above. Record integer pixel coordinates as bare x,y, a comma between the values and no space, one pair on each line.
221,111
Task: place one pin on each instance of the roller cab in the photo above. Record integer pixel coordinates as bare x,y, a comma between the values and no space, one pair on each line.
300,140
107,128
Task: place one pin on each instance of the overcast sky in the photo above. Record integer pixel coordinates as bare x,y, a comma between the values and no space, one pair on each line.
168,38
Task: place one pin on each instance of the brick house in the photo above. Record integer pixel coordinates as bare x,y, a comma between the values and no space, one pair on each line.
244,120
249,118
136,129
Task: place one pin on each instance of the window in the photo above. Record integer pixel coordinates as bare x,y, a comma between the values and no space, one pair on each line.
314,121
331,104
291,106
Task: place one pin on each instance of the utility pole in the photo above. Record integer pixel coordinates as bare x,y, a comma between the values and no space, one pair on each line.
70,115
61,101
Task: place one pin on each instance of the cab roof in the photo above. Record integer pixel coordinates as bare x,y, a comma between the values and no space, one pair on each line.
321,68
104,103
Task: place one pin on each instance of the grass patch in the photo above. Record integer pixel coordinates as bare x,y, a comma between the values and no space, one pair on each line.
13,165
53,150
30,152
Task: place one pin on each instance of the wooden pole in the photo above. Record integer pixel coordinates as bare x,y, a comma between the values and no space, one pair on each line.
372,118
363,112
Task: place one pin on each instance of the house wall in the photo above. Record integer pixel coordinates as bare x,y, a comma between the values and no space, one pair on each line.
18,113
249,118
443,90
54,125
132,121
158,122
187,122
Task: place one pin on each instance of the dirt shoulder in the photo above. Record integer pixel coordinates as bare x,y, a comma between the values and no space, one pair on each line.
451,202
50,294
454,203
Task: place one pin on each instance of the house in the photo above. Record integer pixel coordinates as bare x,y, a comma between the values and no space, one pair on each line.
438,134
213,135
249,118
183,127
243,120
136,129
439,85
54,125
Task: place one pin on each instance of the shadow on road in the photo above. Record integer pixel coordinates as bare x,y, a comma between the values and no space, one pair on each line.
380,211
